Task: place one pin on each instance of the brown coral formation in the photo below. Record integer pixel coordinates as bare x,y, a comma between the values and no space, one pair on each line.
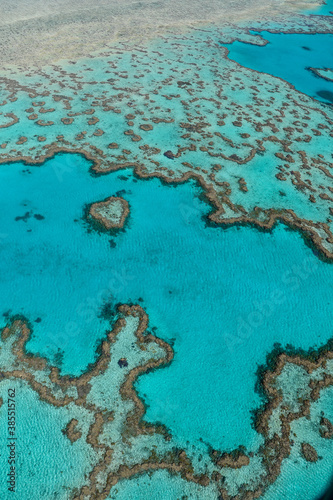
67,121
22,140
14,119
71,432
146,127
309,453
233,460
320,74
103,212
326,428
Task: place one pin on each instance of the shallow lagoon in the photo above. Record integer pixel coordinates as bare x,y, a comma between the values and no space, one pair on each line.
289,56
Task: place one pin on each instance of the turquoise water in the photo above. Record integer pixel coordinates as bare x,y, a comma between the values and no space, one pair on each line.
289,56
222,297
48,465
324,10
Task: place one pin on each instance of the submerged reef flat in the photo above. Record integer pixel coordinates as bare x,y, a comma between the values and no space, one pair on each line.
117,435
190,350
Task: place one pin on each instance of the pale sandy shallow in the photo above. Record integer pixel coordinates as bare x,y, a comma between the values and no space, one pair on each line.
44,31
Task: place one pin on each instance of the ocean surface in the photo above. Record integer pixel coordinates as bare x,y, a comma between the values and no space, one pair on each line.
209,291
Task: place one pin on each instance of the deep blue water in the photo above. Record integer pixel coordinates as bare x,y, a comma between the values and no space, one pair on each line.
288,56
